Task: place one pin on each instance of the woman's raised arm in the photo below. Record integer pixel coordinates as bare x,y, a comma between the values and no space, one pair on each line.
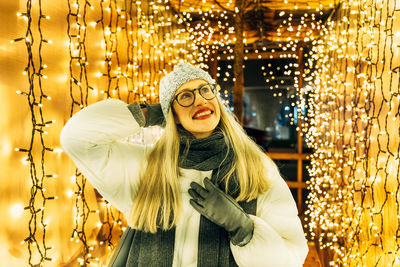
92,138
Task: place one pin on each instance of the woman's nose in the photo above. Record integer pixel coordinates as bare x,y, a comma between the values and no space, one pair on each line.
199,100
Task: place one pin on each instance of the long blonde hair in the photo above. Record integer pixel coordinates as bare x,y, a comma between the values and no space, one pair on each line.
157,203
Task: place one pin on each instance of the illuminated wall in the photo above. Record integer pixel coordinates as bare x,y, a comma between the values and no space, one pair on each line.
65,55
354,201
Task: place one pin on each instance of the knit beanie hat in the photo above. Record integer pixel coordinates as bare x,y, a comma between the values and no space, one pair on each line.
183,72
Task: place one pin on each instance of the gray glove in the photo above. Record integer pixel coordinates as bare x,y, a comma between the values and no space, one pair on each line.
222,209
155,115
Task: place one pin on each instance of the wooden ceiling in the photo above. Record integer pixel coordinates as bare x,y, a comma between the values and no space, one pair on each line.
264,21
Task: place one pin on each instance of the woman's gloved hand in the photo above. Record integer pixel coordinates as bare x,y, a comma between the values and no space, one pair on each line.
154,115
223,210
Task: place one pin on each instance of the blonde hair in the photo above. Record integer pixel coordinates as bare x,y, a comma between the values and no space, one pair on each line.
157,203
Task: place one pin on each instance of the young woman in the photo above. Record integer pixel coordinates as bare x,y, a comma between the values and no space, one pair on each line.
203,195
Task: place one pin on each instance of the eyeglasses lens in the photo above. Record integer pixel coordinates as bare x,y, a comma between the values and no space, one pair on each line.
186,98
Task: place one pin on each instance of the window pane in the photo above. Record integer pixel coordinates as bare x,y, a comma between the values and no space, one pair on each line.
306,174
288,169
305,193
269,101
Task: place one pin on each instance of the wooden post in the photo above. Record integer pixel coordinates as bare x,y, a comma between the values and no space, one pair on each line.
213,65
238,87
299,132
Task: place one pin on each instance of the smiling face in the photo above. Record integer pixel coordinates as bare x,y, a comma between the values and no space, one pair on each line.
202,117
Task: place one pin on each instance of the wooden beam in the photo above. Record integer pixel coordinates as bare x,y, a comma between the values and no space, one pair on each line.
300,69
289,156
300,180
252,37
238,87
213,65
302,5
260,55
299,124
292,184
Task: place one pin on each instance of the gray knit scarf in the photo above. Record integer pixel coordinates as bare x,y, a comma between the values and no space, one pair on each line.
157,250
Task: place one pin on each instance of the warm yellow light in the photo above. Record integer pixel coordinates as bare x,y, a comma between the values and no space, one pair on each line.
16,210
70,193
25,160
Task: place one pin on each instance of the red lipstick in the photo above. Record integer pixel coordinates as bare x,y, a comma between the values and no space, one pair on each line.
204,116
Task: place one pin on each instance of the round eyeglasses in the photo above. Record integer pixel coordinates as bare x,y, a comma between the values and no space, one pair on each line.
187,97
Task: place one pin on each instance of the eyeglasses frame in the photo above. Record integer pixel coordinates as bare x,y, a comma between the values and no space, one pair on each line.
213,88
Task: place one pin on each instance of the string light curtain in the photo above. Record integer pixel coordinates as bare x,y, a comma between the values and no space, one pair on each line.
36,148
140,42
80,89
101,49
354,200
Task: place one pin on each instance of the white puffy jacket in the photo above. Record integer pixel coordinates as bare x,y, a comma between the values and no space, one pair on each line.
92,139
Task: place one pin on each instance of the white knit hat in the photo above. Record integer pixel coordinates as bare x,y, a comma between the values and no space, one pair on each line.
182,73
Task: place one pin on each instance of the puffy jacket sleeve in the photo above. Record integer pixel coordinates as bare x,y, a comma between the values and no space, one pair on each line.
278,239
92,138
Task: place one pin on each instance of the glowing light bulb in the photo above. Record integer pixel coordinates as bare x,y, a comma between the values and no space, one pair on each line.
16,210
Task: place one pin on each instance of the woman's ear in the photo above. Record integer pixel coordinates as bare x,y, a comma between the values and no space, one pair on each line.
176,119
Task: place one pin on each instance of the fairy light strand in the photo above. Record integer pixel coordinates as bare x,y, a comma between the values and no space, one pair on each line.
79,92
37,245
113,21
